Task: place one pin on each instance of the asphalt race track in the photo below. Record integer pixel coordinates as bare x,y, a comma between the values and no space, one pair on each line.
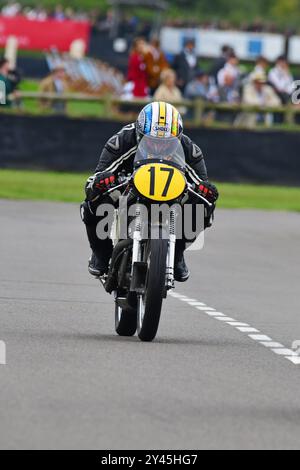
204,383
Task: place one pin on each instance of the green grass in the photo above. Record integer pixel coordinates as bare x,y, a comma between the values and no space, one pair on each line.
26,53
29,85
43,186
246,196
74,108
68,187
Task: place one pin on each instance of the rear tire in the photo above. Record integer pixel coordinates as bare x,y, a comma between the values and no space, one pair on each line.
125,321
149,305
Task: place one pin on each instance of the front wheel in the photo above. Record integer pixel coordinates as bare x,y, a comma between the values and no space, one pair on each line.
150,304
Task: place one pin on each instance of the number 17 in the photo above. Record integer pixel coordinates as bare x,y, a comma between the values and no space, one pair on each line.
152,172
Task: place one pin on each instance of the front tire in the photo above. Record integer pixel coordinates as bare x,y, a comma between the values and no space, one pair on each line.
125,321
150,304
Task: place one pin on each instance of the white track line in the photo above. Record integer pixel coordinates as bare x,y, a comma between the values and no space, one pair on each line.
256,335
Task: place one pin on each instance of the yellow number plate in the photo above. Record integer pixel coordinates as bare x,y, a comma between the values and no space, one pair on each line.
159,182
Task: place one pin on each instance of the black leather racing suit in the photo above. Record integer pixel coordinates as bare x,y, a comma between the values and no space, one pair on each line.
118,154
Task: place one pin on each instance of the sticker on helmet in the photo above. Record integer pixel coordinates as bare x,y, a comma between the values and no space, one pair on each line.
161,128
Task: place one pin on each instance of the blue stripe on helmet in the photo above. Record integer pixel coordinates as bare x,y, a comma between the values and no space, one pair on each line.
148,120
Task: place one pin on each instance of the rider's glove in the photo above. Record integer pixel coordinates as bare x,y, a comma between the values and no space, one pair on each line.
98,184
104,181
208,191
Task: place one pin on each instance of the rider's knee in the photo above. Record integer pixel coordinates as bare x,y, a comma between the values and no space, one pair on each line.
88,213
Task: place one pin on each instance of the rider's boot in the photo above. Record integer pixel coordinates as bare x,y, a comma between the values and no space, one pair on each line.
181,271
102,251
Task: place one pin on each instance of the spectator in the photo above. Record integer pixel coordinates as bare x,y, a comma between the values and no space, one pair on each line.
259,93
59,14
202,87
185,64
56,83
221,61
137,69
11,9
7,86
281,79
261,66
229,80
156,62
14,77
168,90
35,14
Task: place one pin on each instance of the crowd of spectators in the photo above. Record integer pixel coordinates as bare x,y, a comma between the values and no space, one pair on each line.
130,25
151,75
13,8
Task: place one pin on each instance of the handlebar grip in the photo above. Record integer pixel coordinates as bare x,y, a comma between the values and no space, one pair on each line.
206,202
118,186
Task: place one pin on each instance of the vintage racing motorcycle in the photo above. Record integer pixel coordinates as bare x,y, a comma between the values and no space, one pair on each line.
141,270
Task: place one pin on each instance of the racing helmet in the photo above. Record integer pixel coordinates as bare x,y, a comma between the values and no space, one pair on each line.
159,119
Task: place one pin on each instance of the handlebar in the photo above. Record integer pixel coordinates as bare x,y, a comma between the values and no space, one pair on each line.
126,180
191,190
119,186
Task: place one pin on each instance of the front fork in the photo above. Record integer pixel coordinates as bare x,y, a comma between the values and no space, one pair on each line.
137,238
170,283
137,249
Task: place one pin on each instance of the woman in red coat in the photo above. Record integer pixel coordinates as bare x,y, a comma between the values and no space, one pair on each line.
137,69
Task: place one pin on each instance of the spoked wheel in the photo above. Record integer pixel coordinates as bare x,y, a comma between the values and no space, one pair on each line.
125,321
150,304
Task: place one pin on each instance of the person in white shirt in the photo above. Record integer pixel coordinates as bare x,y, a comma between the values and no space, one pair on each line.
281,79
11,10
229,80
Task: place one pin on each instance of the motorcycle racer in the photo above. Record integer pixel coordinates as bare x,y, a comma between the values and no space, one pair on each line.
160,120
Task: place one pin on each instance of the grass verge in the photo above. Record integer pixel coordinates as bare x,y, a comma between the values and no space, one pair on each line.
69,187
